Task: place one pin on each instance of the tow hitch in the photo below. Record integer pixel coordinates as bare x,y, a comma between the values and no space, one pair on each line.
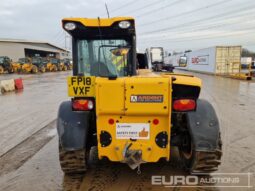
132,157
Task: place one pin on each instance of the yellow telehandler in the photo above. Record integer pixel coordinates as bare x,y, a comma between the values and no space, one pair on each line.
129,114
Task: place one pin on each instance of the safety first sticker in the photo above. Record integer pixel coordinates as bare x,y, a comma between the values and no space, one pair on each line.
81,86
132,130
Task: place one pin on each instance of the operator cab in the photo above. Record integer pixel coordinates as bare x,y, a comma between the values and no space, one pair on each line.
103,47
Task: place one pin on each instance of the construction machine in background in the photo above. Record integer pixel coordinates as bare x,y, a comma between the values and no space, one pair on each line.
56,64
38,64
27,66
68,63
32,65
24,60
126,114
52,65
16,67
62,66
6,65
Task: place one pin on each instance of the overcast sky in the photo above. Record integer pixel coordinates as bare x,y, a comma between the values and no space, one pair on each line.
174,24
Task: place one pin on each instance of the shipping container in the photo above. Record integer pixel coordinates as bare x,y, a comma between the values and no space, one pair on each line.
220,60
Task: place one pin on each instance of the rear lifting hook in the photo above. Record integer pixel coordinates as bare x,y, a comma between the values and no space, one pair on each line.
138,170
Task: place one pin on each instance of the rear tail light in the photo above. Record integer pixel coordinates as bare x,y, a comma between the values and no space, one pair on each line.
184,105
82,105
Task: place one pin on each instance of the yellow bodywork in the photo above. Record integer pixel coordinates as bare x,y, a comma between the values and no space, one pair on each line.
89,22
51,67
132,112
29,67
62,67
16,67
114,102
182,79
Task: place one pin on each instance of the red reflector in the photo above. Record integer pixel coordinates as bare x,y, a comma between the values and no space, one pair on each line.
83,105
111,121
184,105
155,121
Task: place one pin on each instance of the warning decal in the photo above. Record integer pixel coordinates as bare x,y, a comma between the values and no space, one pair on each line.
146,98
132,131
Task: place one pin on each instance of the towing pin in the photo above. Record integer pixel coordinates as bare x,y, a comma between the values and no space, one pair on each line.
138,170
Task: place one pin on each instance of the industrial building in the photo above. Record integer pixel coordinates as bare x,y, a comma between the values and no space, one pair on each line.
16,49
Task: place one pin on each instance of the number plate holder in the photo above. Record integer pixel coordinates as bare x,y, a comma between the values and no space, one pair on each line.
81,86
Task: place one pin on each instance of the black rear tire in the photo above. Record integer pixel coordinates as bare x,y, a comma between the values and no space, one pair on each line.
200,161
72,162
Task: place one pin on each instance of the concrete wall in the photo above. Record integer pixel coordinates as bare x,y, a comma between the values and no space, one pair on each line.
12,50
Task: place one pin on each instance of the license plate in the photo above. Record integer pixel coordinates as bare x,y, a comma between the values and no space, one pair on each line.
81,86
132,130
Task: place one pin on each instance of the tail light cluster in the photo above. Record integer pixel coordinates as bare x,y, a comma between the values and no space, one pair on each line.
82,104
184,105
178,105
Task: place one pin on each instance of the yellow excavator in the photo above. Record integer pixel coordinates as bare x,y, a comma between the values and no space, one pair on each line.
125,113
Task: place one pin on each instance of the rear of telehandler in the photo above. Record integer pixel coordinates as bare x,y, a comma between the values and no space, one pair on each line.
128,115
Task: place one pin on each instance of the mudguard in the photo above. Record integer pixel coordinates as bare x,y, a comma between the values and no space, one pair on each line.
204,127
72,127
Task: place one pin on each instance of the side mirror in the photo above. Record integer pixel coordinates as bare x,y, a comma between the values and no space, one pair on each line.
183,61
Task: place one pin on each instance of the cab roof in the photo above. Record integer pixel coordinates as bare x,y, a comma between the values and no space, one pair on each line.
93,22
